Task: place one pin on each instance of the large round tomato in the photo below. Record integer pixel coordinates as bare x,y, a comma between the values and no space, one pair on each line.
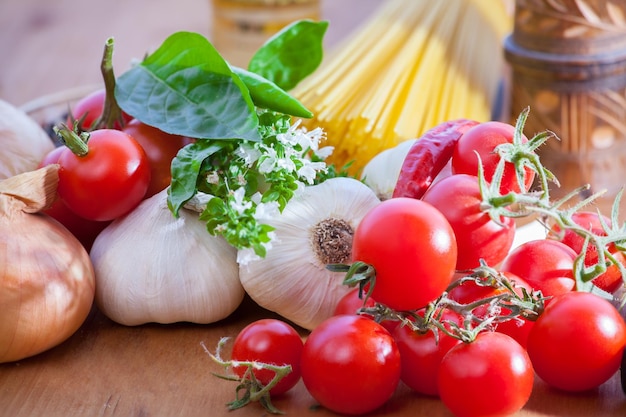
490,376
612,279
161,148
577,342
411,246
108,181
421,354
483,139
350,364
477,235
269,341
546,265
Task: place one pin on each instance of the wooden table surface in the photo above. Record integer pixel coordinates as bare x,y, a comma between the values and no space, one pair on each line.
107,369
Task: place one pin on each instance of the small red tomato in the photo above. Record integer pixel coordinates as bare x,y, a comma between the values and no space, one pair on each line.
546,265
421,354
478,237
84,230
488,377
107,182
351,303
90,109
161,148
470,291
612,279
350,364
577,342
483,139
269,341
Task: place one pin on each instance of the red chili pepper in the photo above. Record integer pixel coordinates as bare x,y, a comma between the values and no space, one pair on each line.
427,157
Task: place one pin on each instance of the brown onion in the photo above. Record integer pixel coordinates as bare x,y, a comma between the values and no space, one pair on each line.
47,281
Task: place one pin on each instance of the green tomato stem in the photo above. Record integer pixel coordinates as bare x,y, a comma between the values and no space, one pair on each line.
253,389
111,112
77,143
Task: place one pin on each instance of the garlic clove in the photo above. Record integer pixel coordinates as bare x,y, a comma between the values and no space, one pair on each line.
382,171
314,229
153,267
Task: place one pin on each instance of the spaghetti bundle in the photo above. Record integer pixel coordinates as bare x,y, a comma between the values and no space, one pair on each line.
413,64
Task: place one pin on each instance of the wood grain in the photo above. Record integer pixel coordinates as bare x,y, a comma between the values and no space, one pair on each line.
107,369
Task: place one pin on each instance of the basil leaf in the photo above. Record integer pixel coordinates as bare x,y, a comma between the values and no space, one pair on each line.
186,167
267,95
290,55
186,88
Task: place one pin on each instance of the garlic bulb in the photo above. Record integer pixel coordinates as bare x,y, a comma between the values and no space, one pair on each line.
153,267
382,171
314,230
46,277
24,142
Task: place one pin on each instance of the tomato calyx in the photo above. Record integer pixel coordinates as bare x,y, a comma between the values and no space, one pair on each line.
522,154
537,202
249,388
75,140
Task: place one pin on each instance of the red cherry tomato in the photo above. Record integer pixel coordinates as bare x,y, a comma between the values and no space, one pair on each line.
350,364
269,341
477,235
90,107
612,279
491,376
109,181
546,265
411,246
577,342
84,230
483,139
421,354
470,291
161,148
351,303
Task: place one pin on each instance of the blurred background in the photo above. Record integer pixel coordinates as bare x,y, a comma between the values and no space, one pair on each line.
50,46
393,68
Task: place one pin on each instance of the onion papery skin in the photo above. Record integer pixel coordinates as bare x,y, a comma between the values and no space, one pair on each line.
291,280
152,267
47,285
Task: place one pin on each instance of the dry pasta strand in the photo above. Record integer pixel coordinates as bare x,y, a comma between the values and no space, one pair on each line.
412,65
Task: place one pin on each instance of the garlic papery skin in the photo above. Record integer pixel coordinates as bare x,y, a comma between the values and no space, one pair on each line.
154,268
47,281
314,229
382,171
24,142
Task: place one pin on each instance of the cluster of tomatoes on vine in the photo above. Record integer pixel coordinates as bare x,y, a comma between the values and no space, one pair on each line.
444,304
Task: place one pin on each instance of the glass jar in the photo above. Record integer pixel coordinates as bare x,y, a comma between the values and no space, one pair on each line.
240,27
568,63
